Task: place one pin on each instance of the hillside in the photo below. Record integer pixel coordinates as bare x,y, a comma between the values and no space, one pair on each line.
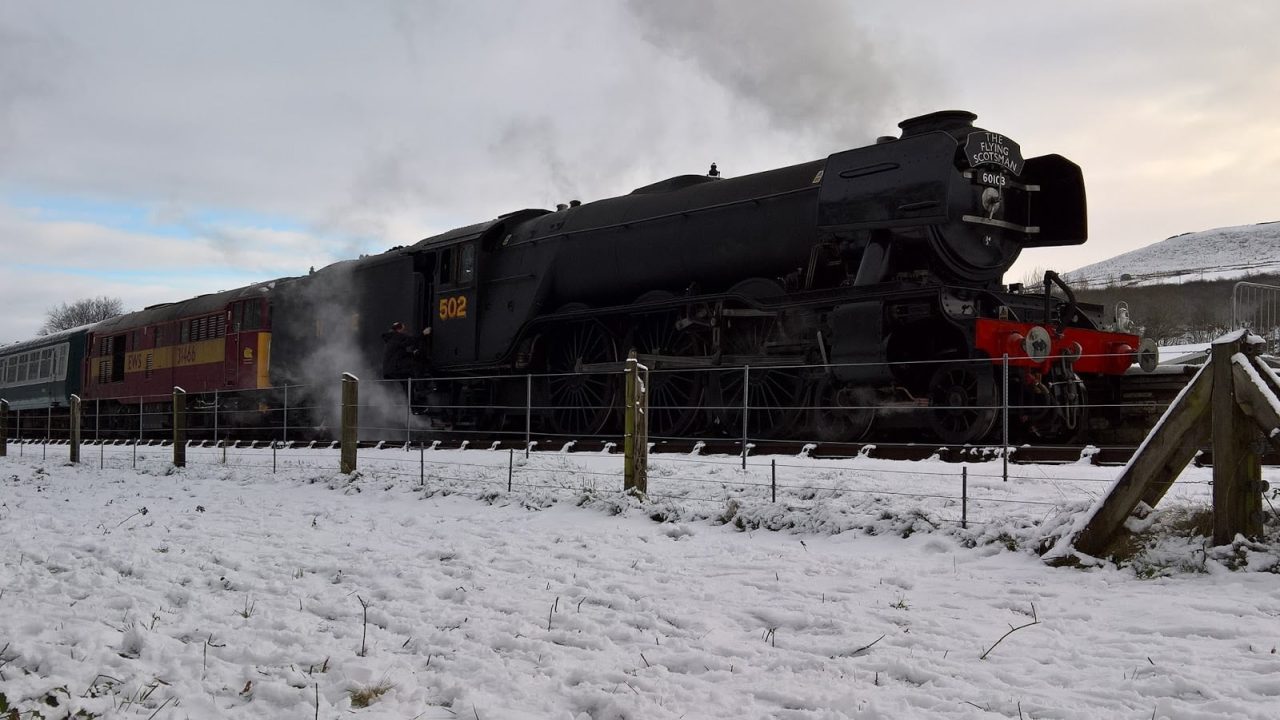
1180,289
1218,254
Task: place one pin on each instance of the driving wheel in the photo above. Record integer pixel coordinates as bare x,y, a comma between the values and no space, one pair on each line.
581,402
842,413
963,402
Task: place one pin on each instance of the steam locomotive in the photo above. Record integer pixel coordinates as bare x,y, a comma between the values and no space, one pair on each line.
866,286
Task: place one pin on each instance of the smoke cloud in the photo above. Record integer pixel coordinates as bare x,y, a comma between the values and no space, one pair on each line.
807,64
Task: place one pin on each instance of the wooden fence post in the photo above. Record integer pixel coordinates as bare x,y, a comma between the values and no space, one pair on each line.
350,422
74,440
1237,471
635,442
4,428
179,427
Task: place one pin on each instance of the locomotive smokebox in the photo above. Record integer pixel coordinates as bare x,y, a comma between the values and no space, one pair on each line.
950,199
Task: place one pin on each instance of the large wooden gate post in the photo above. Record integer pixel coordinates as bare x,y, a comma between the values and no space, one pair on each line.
1237,471
1231,399
635,442
74,440
179,427
4,428
350,422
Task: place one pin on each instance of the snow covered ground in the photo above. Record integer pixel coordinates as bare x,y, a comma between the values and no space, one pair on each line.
422,588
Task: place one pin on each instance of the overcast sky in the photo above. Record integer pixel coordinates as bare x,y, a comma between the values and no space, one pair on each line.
157,150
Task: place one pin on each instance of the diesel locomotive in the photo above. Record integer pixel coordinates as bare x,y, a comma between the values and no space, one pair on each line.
866,287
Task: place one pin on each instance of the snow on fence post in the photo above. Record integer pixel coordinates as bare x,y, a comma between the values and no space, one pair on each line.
74,440
4,428
179,427
635,442
350,422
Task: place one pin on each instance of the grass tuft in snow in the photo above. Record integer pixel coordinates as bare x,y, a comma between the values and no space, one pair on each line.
362,697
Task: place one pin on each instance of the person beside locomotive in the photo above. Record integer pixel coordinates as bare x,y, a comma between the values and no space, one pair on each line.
404,357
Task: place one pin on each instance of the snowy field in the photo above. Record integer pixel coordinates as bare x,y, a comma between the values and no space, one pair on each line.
422,588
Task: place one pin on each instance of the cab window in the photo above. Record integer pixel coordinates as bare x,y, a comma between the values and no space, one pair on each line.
446,266
467,268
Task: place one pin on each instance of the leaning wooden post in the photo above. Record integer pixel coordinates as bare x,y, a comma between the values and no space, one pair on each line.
350,421
635,442
4,428
1237,472
179,427
75,430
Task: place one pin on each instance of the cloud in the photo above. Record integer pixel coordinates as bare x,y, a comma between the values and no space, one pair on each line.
372,124
809,65
51,261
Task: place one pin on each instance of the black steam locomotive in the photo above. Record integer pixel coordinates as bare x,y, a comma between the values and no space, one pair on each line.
865,286
876,265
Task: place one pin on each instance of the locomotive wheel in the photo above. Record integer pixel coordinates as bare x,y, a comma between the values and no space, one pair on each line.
842,414
775,393
582,403
963,402
675,396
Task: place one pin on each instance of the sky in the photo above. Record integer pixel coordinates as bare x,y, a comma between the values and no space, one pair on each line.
231,591
153,151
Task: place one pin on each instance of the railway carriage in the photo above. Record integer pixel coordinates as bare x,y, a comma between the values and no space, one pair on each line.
43,373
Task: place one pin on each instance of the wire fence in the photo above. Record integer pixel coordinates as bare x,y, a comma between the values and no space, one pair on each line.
988,402
784,487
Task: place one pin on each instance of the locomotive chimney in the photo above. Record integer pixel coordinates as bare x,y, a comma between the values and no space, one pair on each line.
945,120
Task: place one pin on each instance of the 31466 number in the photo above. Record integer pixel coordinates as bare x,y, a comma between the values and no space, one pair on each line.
453,308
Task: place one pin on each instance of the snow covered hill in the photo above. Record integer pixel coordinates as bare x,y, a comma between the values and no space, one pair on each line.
1218,254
